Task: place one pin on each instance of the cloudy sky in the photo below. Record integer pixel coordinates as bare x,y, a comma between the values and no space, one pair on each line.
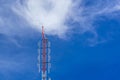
84,36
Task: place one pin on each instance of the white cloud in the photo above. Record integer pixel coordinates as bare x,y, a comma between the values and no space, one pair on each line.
50,13
86,14
55,14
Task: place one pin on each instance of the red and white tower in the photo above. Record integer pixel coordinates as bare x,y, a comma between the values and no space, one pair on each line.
44,57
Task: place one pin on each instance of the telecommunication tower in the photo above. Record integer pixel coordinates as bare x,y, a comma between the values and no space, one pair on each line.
44,64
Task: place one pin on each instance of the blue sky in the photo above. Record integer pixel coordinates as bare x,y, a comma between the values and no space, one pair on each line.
84,36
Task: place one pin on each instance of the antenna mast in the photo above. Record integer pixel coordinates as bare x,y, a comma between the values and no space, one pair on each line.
44,57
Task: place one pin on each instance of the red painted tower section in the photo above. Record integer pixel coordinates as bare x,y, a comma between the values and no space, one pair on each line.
44,57
44,54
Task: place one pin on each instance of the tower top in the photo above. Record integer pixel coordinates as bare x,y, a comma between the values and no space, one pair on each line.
43,35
